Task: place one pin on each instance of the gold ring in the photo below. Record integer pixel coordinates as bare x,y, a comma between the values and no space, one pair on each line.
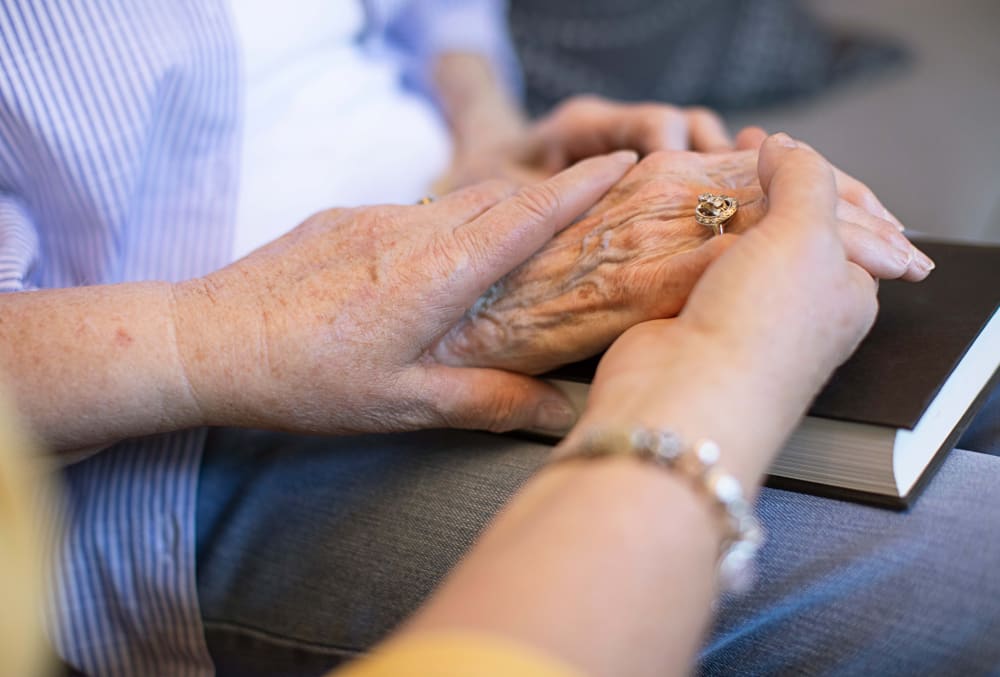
426,200
713,211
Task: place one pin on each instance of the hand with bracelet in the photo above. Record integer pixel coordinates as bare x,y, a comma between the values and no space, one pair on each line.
624,551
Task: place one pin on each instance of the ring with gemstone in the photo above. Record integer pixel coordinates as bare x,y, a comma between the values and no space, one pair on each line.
713,211
426,200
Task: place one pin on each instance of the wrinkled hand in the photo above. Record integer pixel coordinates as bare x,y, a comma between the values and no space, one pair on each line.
636,256
762,331
582,127
328,329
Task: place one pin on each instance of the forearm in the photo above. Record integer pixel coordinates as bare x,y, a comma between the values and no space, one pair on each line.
603,565
480,111
89,366
609,564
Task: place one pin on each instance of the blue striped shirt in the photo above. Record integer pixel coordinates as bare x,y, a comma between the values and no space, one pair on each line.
120,128
119,125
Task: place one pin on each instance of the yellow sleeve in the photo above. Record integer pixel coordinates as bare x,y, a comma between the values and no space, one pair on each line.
456,655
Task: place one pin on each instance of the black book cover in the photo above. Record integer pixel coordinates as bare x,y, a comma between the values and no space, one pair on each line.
923,330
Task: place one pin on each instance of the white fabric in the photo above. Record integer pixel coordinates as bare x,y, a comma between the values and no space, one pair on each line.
328,122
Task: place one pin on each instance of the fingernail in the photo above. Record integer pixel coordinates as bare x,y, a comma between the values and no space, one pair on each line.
784,140
924,262
628,157
556,416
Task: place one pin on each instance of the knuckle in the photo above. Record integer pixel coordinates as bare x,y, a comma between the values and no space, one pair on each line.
584,101
896,257
656,161
495,415
490,191
653,124
577,107
499,416
446,413
863,196
703,113
887,231
447,254
539,202
382,219
659,191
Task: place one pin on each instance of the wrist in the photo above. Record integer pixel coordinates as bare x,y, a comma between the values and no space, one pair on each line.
707,388
480,112
215,372
486,125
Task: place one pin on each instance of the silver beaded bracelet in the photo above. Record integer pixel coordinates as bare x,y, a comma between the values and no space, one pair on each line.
744,535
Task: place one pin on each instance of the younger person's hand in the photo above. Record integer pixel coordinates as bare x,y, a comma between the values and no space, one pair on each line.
762,331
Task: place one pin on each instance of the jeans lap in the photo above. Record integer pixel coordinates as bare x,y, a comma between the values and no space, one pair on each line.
311,550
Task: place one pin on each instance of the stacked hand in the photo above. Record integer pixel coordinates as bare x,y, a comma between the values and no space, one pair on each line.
394,318
637,254
762,330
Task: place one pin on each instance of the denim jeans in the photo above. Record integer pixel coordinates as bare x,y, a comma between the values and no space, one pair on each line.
312,549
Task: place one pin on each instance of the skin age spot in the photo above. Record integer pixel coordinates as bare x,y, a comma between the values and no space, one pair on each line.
123,338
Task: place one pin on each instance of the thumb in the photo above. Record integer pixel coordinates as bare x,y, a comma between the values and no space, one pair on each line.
497,400
799,185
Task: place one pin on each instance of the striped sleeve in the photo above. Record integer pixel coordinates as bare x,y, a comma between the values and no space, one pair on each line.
119,160
18,245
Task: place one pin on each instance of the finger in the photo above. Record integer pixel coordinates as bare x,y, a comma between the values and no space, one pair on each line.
750,138
880,257
507,234
468,203
589,126
799,185
645,127
885,254
857,193
586,126
920,266
497,400
668,130
863,291
708,132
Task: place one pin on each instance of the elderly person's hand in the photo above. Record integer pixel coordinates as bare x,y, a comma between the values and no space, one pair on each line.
636,256
771,319
581,127
329,328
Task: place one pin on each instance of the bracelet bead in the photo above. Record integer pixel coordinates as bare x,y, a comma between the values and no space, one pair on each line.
743,535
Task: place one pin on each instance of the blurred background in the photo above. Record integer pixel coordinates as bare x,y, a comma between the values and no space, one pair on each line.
903,94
